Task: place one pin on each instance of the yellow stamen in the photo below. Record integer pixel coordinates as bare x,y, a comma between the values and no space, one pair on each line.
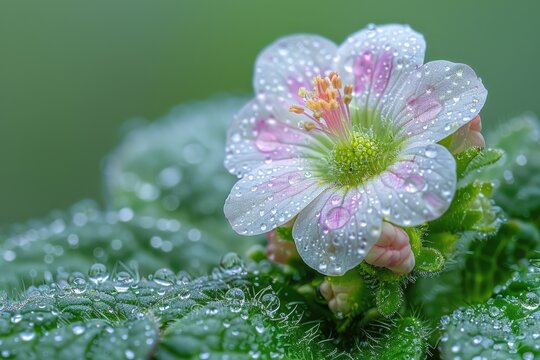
296,109
313,105
336,81
308,126
348,89
302,92
347,99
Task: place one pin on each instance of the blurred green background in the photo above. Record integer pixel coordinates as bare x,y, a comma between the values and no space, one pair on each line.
72,71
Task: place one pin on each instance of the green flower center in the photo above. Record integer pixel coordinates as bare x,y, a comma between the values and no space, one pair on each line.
355,161
365,152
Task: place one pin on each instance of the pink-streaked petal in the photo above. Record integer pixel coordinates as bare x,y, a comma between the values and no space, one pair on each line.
375,59
290,63
392,250
334,232
435,101
418,188
263,132
468,136
271,195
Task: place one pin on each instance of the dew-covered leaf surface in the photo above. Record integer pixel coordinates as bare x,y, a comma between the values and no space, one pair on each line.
234,312
506,326
72,241
518,174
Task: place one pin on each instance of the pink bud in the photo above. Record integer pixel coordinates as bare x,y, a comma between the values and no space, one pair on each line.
468,136
278,250
392,250
345,294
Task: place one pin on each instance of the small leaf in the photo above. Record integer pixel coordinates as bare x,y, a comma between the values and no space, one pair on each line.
429,260
285,233
474,159
389,297
404,338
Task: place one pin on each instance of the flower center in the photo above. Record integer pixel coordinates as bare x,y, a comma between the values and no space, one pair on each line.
360,143
353,162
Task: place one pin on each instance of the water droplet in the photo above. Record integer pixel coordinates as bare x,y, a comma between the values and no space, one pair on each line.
27,335
266,142
129,354
16,318
270,303
337,217
164,277
78,283
294,178
494,311
122,281
414,183
236,297
431,151
78,329
98,273
184,294
231,264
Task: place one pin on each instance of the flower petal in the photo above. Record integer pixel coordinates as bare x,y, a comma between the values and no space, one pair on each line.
375,59
271,195
418,188
435,101
334,232
263,132
290,63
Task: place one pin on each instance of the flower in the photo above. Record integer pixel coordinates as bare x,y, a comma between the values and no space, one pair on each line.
346,137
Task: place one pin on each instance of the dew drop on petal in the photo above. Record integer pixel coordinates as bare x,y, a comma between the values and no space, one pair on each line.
431,151
337,217
414,183
266,142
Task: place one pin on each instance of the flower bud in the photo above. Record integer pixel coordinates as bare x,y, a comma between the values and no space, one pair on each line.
468,136
392,250
278,250
345,294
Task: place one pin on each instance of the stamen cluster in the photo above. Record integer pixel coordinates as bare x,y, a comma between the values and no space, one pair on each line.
329,107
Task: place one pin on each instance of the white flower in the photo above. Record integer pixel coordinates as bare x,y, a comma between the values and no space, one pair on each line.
346,137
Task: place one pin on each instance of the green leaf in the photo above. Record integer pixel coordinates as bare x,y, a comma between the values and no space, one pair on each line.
470,210
174,166
403,338
476,269
389,297
475,159
234,312
506,326
518,174
72,241
285,233
429,260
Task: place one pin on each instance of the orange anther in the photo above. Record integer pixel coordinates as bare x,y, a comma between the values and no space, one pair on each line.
296,109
